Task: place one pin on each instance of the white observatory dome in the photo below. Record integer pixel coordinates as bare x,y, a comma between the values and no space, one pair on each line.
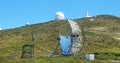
27,23
59,16
0,28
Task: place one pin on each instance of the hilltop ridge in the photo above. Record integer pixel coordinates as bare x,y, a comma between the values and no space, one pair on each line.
101,36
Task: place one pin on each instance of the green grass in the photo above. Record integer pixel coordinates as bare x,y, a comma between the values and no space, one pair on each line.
56,60
97,41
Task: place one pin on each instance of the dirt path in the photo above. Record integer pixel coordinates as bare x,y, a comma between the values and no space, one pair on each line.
117,61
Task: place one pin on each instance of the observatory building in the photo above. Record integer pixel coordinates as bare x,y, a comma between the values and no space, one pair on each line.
59,16
27,23
0,28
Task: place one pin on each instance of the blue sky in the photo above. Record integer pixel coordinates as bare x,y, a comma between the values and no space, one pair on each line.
16,13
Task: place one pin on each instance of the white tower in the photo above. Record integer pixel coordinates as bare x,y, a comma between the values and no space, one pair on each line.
95,15
87,14
59,16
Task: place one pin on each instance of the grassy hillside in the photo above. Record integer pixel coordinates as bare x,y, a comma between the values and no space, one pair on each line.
102,37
